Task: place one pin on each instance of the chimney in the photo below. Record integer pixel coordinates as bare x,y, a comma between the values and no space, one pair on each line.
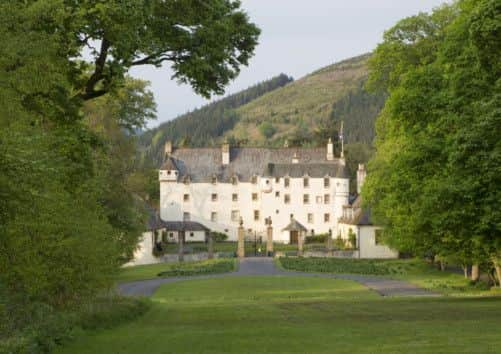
361,173
168,148
226,154
330,150
295,158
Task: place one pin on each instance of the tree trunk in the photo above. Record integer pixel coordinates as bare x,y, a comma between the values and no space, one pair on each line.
475,272
465,270
443,265
497,266
180,241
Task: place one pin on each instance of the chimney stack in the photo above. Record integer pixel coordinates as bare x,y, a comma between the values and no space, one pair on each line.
330,150
168,148
226,154
295,158
361,174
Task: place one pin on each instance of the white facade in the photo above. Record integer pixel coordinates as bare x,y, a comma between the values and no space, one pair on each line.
144,252
367,242
315,201
219,206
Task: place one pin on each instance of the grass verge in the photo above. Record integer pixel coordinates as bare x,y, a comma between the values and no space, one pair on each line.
412,270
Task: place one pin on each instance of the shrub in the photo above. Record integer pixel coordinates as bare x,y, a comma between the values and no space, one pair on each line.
219,236
339,243
320,238
199,268
352,238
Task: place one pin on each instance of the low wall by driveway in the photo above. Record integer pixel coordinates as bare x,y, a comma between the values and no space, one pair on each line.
320,254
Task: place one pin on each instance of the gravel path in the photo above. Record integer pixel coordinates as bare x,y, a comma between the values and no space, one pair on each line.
266,266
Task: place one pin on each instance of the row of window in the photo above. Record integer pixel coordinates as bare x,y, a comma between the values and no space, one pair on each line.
234,181
325,199
235,216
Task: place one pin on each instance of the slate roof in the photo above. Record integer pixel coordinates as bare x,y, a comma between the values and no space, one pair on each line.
184,226
294,225
156,223
169,164
201,164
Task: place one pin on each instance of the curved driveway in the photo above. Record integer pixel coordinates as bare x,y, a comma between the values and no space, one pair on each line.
266,266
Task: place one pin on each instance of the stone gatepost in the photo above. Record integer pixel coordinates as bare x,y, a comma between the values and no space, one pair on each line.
329,243
180,241
300,243
210,246
269,238
241,241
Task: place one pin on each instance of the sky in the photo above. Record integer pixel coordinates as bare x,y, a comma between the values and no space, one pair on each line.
297,37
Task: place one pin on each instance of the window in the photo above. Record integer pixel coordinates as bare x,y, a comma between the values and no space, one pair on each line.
186,180
306,182
186,216
186,197
277,194
235,215
254,196
378,237
327,199
310,218
192,234
256,215
214,197
306,199
327,217
171,234
214,179
213,216
254,179
234,180
234,197
327,182
287,198
277,179
319,199
287,182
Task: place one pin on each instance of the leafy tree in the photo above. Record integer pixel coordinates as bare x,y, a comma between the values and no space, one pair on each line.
434,181
267,129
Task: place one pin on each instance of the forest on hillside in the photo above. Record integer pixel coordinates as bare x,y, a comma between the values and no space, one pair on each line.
203,126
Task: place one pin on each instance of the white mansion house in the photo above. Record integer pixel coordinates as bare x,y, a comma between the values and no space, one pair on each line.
218,187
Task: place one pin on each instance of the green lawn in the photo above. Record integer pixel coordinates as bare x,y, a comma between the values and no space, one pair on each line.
298,315
176,269
412,270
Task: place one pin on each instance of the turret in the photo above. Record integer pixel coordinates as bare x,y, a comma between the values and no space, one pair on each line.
169,171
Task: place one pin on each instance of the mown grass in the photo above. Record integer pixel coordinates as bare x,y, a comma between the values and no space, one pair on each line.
415,271
298,315
151,271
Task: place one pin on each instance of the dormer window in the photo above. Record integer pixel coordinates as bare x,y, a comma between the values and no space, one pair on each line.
186,180
234,180
327,182
254,179
306,182
287,182
214,179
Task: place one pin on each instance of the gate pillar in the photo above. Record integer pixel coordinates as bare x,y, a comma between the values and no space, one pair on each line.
241,242
269,238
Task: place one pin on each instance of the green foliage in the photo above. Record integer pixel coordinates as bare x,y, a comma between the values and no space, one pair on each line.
352,238
434,181
198,268
219,236
267,129
320,238
339,243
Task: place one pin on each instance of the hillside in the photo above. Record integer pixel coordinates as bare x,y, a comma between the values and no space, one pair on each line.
204,125
306,103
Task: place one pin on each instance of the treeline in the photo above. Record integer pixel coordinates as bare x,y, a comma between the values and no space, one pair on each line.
434,182
358,110
205,125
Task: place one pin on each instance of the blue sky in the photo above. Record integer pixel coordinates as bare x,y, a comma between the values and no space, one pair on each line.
297,37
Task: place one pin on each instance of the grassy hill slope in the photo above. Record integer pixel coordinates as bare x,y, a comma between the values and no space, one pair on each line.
306,103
